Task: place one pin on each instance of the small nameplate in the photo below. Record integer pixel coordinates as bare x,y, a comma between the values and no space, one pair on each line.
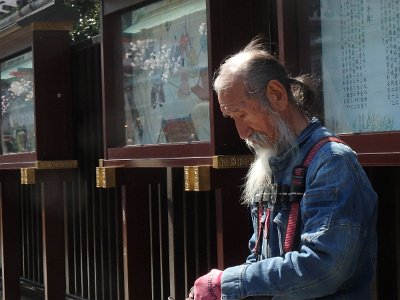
232,161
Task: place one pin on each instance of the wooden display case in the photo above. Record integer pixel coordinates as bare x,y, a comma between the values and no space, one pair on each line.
158,63
36,112
353,50
35,139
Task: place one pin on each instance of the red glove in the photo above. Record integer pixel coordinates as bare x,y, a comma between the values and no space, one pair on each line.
208,287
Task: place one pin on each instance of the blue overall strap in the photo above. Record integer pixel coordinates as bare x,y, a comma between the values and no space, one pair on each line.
297,189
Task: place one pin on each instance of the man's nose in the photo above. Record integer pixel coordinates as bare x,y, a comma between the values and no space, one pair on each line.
243,130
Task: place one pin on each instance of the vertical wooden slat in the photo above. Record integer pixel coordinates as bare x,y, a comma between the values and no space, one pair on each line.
108,254
31,235
23,235
77,199
66,245
89,255
33,238
157,233
39,240
158,214
100,251
74,246
171,233
152,243
125,243
163,241
82,233
10,235
94,239
118,250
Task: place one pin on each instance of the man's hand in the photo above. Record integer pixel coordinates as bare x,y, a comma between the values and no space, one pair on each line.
207,287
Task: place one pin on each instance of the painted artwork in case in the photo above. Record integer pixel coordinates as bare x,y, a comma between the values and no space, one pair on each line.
17,105
166,78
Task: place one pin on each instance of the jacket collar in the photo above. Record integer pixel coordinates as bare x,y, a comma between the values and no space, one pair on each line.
279,162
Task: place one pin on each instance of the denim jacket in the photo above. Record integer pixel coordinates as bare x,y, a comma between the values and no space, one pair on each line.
336,253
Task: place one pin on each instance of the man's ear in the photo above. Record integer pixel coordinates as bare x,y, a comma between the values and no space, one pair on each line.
276,95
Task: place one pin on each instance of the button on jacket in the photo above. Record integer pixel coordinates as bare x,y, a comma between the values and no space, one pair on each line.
336,254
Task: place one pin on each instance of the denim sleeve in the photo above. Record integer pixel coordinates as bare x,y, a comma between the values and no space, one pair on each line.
332,239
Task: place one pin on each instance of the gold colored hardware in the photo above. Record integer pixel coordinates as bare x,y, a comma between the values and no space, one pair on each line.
105,177
232,161
201,178
188,175
197,178
56,164
101,163
28,176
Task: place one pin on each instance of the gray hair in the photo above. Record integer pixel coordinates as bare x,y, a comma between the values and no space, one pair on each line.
255,66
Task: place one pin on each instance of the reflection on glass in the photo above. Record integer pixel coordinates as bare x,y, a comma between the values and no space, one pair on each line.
165,63
17,105
8,7
360,64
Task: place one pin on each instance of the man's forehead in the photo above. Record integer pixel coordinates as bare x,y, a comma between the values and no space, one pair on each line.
232,97
233,106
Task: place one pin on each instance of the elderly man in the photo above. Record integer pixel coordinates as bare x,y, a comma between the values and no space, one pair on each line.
312,206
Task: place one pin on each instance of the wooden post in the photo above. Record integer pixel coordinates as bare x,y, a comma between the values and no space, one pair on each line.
52,195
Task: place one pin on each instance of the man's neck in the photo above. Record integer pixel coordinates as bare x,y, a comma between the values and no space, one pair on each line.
296,120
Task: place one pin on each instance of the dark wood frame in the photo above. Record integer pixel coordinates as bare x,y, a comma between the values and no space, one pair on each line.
221,42
373,149
115,150
53,110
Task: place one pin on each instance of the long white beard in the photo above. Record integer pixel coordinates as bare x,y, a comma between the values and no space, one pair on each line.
259,175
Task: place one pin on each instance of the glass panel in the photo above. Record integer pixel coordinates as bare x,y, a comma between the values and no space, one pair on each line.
165,63
359,45
17,105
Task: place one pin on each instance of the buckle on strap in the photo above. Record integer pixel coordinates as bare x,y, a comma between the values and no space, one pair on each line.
268,195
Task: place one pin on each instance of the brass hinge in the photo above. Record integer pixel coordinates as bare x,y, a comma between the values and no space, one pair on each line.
105,177
28,176
197,178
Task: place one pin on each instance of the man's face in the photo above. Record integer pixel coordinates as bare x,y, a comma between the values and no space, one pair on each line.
250,117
